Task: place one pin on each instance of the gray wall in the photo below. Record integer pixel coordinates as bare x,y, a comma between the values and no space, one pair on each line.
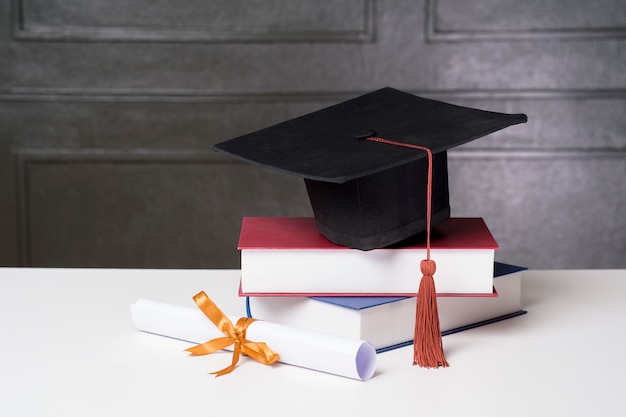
108,110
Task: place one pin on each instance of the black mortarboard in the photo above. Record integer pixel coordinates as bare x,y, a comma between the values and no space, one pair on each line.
364,194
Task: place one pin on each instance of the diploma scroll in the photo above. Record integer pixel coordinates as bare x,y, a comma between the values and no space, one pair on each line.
342,356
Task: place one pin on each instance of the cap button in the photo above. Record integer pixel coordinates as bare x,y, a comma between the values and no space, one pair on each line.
368,133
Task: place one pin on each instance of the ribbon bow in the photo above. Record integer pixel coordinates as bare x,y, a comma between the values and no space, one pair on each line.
234,335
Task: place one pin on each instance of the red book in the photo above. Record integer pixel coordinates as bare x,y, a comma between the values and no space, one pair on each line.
288,256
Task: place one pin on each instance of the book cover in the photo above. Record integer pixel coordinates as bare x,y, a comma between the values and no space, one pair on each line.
301,233
288,255
388,322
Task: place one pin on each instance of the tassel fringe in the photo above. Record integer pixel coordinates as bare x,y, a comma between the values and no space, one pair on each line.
427,345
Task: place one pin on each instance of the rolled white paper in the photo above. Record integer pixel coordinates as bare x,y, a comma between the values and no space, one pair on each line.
343,356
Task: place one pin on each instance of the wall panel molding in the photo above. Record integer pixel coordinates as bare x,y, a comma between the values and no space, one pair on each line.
159,95
198,21
25,159
48,160
538,154
537,20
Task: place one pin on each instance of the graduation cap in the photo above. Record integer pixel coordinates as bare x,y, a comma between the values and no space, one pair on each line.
375,168
368,195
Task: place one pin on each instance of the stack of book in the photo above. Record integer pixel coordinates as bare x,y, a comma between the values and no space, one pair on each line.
292,275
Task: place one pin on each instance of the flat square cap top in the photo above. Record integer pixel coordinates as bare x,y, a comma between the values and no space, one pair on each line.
324,145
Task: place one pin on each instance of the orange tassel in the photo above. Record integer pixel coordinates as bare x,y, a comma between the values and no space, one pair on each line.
427,345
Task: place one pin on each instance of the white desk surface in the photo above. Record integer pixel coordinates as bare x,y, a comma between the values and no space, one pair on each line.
68,348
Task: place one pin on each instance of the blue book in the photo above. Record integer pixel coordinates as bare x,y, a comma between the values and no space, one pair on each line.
388,322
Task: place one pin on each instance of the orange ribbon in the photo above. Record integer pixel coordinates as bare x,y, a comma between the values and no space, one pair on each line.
234,335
